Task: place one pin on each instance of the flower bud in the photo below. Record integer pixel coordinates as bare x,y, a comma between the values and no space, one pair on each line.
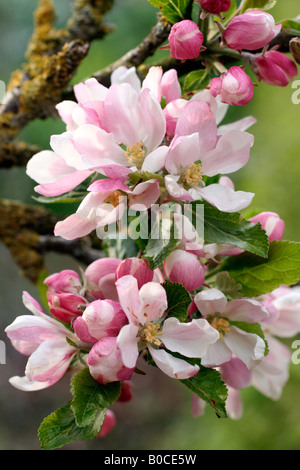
65,307
64,281
108,423
185,40
105,362
252,30
101,318
234,87
271,223
275,68
214,6
138,268
295,49
185,268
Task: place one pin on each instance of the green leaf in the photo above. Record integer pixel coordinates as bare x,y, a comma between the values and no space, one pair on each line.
161,243
233,229
90,397
60,428
179,300
72,196
174,10
196,80
209,386
291,27
227,285
257,5
259,276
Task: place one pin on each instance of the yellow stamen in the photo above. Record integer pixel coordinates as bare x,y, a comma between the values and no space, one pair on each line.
135,154
221,325
193,174
114,198
150,333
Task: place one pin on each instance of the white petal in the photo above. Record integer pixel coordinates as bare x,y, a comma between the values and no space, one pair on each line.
127,342
224,198
210,301
249,347
190,339
172,366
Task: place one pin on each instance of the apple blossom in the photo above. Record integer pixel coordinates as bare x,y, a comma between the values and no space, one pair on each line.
234,87
44,340
214,6
275,68
251,30
185,40
185,268
248,347
145,309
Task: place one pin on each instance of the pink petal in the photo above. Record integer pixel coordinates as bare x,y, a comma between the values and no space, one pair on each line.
127,287
153,81
247,310
154,302
74,227
231,153
197,117
64,184
170,86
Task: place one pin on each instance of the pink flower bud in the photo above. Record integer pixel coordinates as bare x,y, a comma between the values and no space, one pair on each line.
101,318
234,87
108,423
271,223
185,268
126,391
275,68
185,40
65,306
252,30
138,268
64,281
105,362
214,6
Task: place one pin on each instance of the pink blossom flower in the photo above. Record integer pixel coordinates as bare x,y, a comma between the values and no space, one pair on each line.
251,30
234,87
100,278
271,375
248,347
108,424
198,150
106,363
185,268
271,223
214,6
101,318
185,40
145,309
137,268
43,339
65,306
275,68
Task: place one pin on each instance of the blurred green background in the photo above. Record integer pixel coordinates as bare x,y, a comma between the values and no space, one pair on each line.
160,415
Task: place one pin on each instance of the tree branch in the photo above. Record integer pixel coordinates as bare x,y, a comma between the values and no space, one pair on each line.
53,56
27,231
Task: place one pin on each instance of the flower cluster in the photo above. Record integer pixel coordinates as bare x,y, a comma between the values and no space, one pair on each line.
140,143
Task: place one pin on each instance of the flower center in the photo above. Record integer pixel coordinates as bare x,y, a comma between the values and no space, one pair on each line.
150,333
221,325
114,198
135,154
193,174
